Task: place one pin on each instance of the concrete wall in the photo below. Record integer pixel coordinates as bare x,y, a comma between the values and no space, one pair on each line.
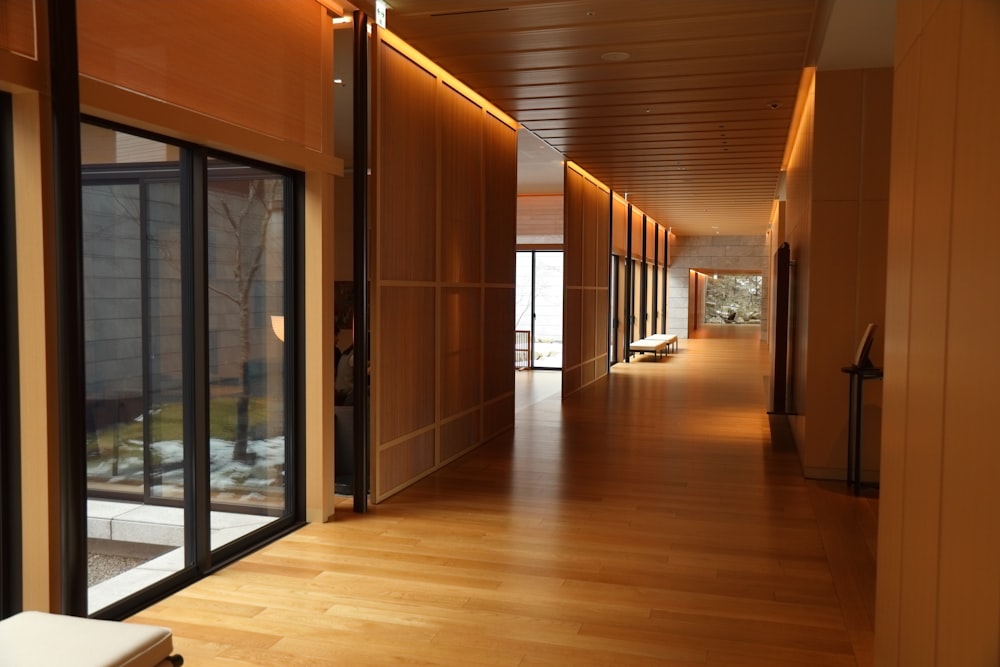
707,254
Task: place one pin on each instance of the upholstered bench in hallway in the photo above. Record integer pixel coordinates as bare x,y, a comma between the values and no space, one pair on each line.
37,639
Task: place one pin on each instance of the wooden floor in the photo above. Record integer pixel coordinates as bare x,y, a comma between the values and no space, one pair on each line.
648,520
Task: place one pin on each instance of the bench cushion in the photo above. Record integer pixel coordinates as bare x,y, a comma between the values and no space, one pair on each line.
647,345
33,638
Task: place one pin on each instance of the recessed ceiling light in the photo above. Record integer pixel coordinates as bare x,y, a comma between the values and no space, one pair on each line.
615,56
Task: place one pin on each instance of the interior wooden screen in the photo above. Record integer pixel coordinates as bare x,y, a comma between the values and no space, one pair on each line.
619,226
619,247
586,277
442,329
664,262
652,312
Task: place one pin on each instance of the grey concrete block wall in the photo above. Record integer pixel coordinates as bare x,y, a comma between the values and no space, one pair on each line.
708,253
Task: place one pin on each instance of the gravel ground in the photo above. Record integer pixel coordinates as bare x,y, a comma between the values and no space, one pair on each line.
102,566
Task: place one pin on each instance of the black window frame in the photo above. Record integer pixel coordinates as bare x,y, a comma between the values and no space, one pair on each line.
201,560
10,478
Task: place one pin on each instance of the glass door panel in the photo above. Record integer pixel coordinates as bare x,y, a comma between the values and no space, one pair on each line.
548,299
247,374
523,306
134,409
538,305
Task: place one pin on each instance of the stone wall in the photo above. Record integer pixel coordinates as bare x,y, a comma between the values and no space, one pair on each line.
709,254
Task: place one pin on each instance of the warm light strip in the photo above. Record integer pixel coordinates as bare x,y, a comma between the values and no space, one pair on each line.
805,85
586,174
423,61
332,7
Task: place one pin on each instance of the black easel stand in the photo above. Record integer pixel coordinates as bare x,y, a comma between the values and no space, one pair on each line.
858,376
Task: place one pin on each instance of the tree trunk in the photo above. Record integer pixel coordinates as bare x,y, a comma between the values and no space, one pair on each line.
240,452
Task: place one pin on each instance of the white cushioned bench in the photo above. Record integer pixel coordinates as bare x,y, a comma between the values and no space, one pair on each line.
654,343
671,340
38,639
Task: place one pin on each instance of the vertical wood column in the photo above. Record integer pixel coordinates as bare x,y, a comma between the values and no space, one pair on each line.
40,474
938,597
587,216
443,269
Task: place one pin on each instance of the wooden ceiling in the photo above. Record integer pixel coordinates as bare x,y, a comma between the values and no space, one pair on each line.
683,104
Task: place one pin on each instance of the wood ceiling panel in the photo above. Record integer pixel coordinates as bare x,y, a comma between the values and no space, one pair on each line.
652,83
648,99
685,122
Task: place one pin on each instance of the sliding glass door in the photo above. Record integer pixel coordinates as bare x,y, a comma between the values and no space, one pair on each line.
9,438
188,380
539,305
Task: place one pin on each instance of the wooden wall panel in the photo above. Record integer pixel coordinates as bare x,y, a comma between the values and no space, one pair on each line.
17,27
589,233
461,187
404,368
938,598
444,178
585,308
664,248
459,435
571,380
651,228
636,249
498,416
498,348
572,325
267,53
619,227
602,307
501,202
461,349
402,463
573,229
588,321
407,235
603,259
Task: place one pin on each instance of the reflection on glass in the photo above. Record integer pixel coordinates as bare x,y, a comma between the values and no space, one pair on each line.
538,305
547,341
132,346
246,231
134,327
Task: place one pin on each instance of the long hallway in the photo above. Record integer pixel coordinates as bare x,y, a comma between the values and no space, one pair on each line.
647,520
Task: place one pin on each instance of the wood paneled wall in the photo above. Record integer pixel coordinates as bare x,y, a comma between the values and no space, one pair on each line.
587,234
17,27
442,302
619,226
938,597
836,225
267,57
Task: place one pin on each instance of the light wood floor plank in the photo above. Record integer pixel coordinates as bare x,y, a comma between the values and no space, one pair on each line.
648,520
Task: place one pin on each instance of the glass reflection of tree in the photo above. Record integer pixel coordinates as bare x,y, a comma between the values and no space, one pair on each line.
247,219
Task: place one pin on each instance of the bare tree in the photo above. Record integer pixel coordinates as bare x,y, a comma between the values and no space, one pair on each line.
248,223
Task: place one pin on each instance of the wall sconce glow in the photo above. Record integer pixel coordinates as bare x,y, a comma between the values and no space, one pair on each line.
278,326
338,81
380,9
715,276
341,20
